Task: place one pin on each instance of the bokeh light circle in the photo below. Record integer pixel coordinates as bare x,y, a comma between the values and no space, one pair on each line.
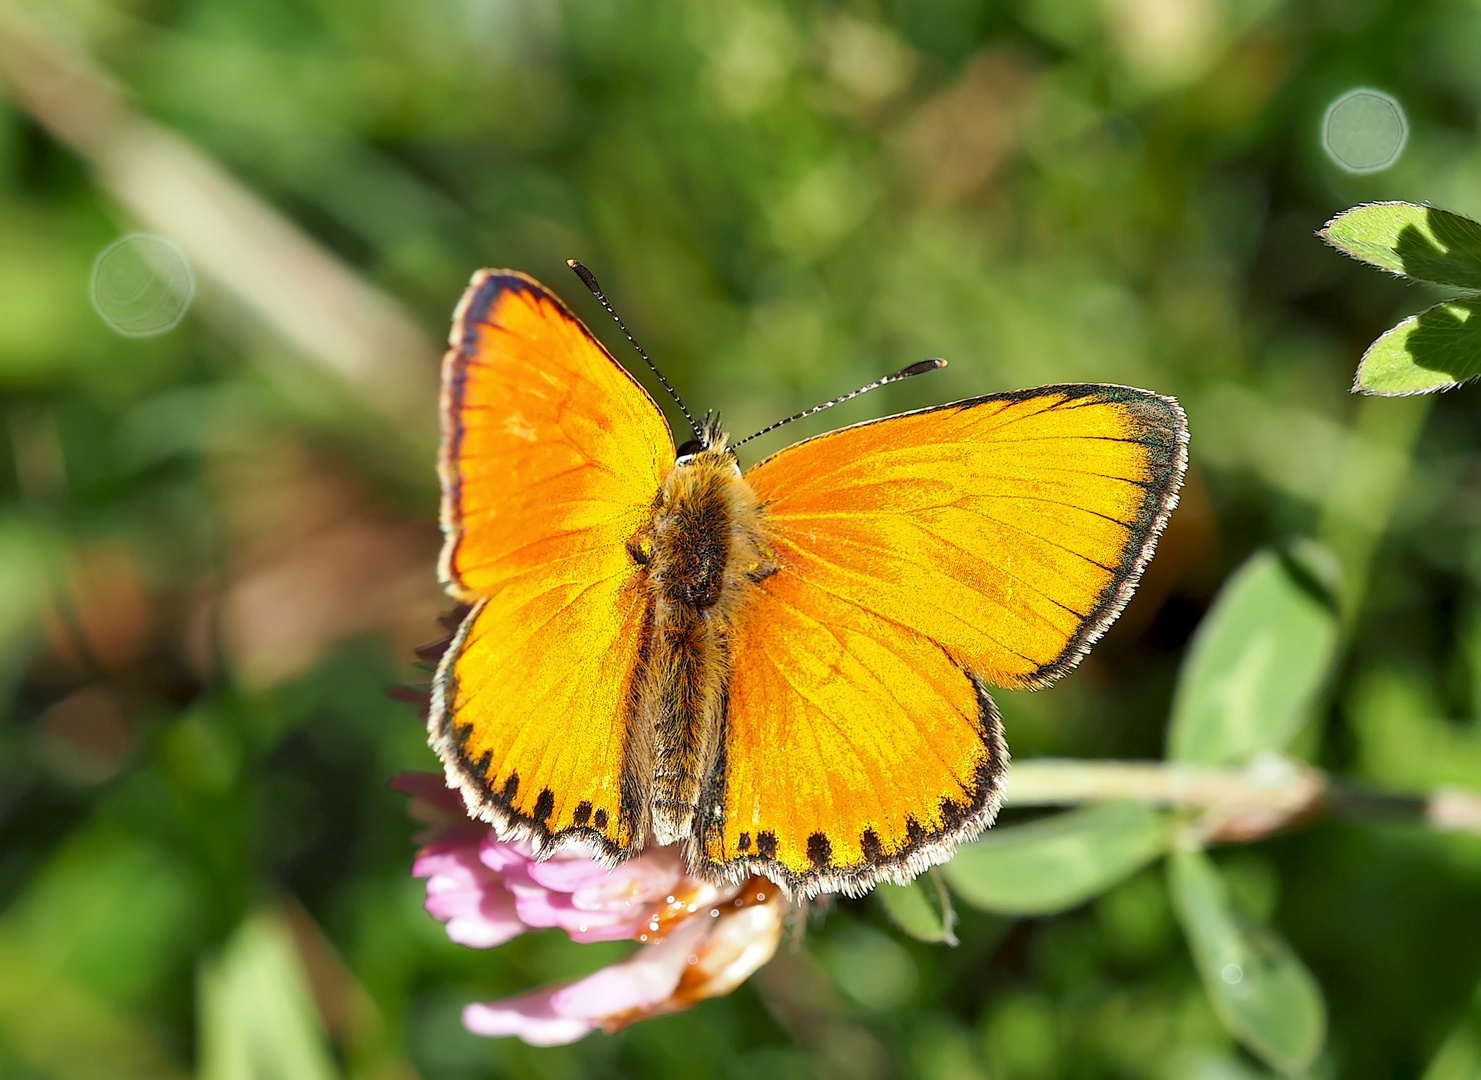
142,285
1364,131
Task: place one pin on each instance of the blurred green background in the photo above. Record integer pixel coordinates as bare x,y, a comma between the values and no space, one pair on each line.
217,544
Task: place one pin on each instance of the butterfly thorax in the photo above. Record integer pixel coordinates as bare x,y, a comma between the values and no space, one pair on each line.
701,556
706,535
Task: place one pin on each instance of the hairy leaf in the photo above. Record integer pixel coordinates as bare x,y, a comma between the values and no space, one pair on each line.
1435,350
1257,660
1415,241
1259,988
1057,863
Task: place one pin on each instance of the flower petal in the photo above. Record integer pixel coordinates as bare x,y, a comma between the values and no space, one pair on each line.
471,899
642,882
540,907
512,857
491,920
433,802
568,875
530,1017
735,949
644,980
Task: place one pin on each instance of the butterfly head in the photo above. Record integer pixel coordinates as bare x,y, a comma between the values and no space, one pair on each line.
710,444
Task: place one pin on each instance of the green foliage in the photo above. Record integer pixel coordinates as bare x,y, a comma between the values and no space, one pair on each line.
871,968
1406,742
1250,679
1258,659
1459,1057
110,911
1259,988
1420,242
1057,863
53,1025
921,909
1441,347
23,572
257,1014
1435,350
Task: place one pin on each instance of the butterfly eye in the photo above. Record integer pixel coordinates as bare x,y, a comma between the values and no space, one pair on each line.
689,449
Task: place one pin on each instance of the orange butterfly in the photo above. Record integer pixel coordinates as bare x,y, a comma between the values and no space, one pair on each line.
784,670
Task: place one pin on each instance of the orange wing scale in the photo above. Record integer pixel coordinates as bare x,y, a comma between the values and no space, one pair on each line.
920,556
551,457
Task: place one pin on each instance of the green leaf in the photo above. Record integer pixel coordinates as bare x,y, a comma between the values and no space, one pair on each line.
1459,1056
869,966
1258,987
257,1015
1258,659
1437,349
65,1031
921,909
1057,863
24,567
1415,241
109,910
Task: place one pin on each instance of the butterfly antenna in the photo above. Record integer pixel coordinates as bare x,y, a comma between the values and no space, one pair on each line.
590,281
918,368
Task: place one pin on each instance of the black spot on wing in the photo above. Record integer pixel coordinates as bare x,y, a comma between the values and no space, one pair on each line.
583,812
544,805
953,813
915,835
820,851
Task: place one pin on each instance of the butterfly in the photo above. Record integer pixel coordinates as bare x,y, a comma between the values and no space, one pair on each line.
786,669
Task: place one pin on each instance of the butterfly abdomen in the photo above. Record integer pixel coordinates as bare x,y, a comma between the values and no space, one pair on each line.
703,550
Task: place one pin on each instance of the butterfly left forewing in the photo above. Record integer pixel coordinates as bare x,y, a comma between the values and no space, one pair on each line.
552,455
919,558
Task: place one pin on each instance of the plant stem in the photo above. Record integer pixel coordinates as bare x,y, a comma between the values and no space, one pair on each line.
1238,804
